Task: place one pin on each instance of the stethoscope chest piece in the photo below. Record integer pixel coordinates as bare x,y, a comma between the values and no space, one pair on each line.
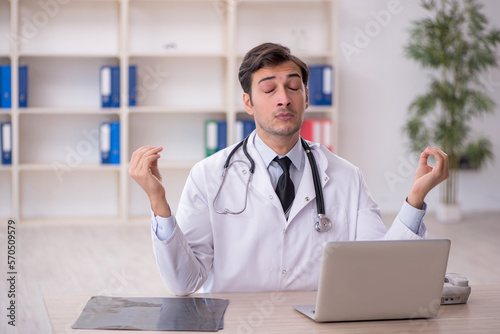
324,224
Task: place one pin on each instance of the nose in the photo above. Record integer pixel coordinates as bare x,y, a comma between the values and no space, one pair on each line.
282,98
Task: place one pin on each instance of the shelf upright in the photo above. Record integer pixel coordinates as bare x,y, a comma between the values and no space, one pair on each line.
123,188
230,26
14,62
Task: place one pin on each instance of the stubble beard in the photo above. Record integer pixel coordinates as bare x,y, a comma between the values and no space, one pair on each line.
282,131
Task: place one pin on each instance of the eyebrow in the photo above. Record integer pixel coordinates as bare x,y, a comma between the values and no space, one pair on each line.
274,77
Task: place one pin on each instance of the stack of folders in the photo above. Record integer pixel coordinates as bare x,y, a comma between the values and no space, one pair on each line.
110,86
243,129
320,85
110,142
216,134
318,131
6,86
6,142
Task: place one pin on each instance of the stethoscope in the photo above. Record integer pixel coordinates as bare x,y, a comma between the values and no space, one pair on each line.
324,224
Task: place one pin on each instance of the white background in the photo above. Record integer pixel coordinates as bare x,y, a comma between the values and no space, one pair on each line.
376,87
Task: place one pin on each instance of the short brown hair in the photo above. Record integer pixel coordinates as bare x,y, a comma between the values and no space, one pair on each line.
267,54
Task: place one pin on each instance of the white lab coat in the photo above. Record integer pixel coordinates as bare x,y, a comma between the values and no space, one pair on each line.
258,250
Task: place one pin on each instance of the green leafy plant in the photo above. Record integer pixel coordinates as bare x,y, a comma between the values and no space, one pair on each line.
456,45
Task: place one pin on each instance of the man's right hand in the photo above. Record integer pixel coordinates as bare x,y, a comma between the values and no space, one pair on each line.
144,170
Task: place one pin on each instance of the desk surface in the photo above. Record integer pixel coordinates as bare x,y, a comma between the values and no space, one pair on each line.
272,312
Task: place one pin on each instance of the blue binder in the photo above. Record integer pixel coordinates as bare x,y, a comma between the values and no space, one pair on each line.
23,86
105,86
243,129
320,85
104,142
222,135
5,86
115,87
248,127
6,142
114,154
132,85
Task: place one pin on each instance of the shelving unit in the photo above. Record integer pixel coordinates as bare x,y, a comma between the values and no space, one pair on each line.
187,55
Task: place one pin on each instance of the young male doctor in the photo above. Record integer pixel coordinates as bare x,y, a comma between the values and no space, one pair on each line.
273,244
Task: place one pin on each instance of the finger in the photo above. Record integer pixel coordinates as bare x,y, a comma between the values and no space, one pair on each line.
149,161
148,158
442,163
138,157
424,156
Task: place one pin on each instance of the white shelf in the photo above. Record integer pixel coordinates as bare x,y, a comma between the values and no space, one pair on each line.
175,54
4,28
64,82
69,111
176,26
187,54
306,34
180,110
278,1
80,27
81,167
180,82
64,54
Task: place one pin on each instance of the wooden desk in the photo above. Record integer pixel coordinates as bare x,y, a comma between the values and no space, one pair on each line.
273,313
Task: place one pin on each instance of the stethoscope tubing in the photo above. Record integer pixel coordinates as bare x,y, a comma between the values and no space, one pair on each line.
320,204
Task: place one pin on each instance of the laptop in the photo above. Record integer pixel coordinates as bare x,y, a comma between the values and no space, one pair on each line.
375,280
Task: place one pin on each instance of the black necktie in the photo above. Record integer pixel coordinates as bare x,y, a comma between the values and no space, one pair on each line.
285,189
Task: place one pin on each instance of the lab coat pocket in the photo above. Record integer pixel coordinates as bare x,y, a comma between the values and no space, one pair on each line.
340,226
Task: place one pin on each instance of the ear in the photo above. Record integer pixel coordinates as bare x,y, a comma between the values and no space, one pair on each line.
247,103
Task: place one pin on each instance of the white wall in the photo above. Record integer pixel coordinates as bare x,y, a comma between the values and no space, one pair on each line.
377,84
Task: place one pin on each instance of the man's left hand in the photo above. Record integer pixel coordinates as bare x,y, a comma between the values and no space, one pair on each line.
427,177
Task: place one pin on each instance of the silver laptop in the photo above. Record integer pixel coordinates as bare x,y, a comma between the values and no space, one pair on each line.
373,280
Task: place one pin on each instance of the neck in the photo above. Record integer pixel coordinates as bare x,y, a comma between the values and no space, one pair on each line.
279,144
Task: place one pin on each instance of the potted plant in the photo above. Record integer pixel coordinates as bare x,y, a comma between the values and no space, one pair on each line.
455,44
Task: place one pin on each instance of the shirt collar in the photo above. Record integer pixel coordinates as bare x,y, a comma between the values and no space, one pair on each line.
296,154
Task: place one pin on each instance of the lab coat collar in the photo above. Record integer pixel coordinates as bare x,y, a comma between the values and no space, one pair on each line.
261,181
296,154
